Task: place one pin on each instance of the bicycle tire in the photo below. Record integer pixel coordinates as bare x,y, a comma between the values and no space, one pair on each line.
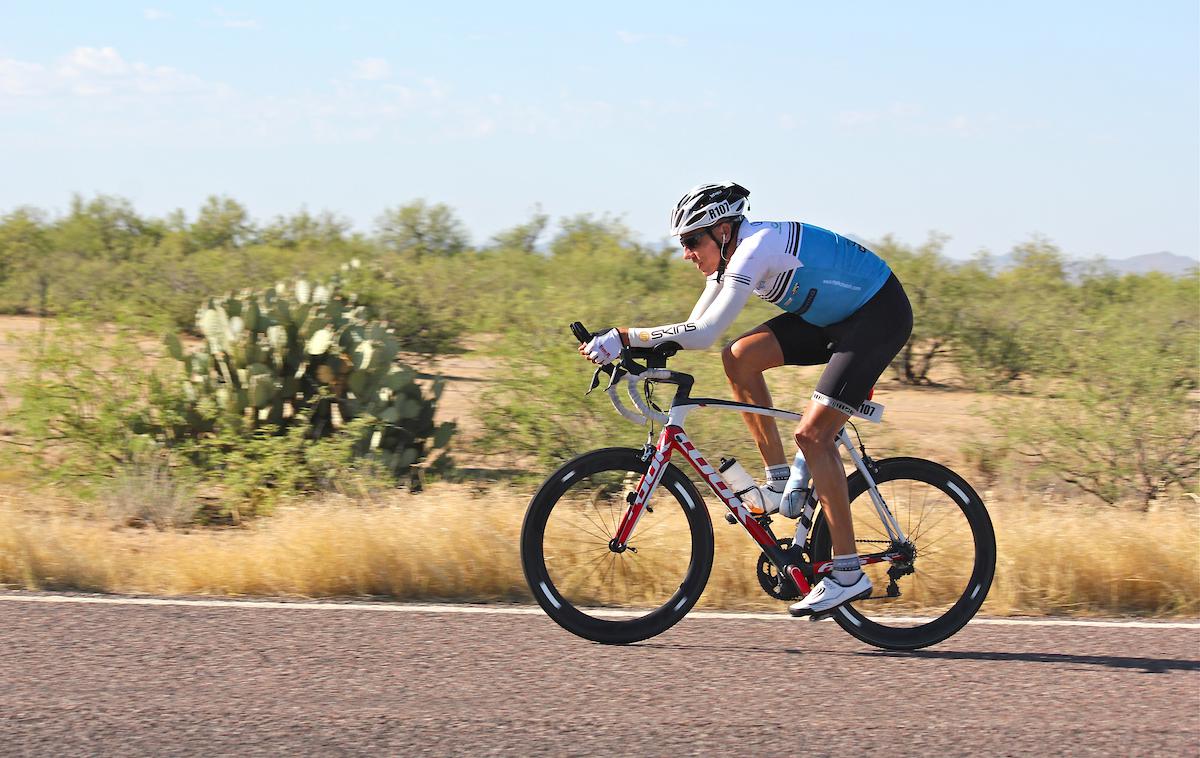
679,524
879,625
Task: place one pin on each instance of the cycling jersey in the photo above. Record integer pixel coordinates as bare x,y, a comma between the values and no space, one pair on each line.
811,272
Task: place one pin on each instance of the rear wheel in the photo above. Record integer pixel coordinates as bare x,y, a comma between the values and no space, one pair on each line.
589,588
953,549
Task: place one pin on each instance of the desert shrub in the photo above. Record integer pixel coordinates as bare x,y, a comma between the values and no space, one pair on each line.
287,395
937,290
1120,420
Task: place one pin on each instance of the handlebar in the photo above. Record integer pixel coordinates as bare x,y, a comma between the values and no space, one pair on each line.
632,372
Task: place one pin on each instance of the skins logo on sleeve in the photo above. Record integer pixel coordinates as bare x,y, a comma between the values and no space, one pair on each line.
669,331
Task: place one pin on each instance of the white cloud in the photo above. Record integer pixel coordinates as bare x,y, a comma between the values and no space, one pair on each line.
21,79
905,110
102,61
633,38
857,118
93,71
154,14
235,20
371,69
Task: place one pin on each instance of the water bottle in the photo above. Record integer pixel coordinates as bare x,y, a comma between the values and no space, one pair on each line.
799,501
742,484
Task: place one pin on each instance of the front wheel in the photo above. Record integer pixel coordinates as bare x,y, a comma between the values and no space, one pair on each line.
586,586
953,548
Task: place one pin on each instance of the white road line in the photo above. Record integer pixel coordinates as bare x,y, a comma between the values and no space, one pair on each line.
527,610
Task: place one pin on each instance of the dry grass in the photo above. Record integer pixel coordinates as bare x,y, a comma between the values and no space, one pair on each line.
444,544
454,543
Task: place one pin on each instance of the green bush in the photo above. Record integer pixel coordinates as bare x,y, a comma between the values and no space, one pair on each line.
295,389
1012,323
1122,423
938,291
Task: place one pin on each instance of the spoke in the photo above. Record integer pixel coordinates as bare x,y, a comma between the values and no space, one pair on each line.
908,523
604,531
927,529
608,525
921,519
568,528
874,524
924,548
557,552
570,584
574,535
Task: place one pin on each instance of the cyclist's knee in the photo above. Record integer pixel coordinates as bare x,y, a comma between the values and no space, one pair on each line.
737,362
729,358
812,438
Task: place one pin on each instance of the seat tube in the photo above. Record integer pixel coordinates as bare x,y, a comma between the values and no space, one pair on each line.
885,515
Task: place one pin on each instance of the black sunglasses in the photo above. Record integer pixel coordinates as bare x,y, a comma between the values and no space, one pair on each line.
692,241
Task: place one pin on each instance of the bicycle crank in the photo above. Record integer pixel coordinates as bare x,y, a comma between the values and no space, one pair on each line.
778,585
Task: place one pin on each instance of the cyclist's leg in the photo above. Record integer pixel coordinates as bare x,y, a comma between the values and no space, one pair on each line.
745,359
815,437
786,339
863,345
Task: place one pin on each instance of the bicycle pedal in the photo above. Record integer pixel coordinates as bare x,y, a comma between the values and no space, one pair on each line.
823,615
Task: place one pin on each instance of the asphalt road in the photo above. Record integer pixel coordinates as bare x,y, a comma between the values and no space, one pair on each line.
92,679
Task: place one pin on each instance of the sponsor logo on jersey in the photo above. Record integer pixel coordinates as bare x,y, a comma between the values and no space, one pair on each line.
844,285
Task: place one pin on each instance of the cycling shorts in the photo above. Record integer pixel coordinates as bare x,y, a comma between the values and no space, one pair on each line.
857,349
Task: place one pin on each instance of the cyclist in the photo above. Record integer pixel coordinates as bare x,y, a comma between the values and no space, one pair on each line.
843,307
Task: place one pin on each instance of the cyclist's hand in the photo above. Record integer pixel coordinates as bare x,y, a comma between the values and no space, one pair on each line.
604,348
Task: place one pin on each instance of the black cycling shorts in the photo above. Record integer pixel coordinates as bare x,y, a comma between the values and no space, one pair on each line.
857,349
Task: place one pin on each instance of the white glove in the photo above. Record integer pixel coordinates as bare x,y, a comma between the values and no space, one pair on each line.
604,348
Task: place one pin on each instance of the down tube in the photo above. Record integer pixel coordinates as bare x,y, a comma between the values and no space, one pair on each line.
760,535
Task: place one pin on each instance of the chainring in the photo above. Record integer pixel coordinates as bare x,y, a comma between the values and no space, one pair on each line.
775,584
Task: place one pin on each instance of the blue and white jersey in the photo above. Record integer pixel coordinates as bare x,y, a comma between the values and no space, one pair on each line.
804,269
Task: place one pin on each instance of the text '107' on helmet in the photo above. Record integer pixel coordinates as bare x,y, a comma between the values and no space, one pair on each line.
706,204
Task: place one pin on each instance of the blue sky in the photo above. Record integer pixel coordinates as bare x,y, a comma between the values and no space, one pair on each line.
989,122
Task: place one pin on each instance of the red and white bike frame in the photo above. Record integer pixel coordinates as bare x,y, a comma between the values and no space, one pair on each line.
673,438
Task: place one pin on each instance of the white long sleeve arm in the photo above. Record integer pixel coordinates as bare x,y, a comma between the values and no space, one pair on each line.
716,309
711,288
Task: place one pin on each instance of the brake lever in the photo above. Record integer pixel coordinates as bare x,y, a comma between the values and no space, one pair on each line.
615,374
596,378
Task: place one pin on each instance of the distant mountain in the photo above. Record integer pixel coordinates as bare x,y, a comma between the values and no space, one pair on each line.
1164,263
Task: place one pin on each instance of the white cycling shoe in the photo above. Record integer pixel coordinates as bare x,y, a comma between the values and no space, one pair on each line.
762,499
828,594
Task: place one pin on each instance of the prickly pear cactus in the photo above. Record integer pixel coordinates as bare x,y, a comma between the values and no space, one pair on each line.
311,353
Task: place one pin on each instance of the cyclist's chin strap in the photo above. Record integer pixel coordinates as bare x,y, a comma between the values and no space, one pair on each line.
733,230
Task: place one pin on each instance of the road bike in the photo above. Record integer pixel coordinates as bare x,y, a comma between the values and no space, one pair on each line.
617,544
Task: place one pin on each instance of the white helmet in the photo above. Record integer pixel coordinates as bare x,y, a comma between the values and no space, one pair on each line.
706,204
